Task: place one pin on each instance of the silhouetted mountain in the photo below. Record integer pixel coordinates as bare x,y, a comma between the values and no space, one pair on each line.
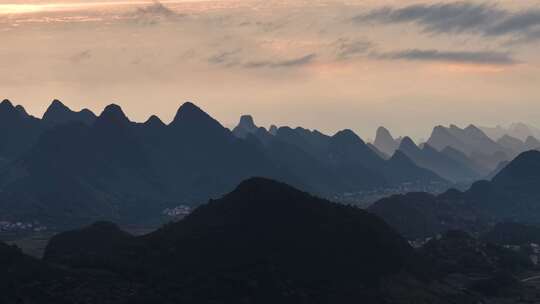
273,130
466,161
82,173
115,169
155,123
438,162
531,143
377,151
245,126
402,170
58,113
513,194
312,142
24,279
517,130
233,249
497,170
92,246
18,131
471,141
521,175
385,142
513,145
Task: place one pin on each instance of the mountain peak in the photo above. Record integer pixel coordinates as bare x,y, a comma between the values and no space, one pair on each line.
56,108
247,120
273,129
21,110
532,143
385,142
347,135
188,111
521,171
189,114
7,108
58,113
6,103
255,184
474,131
154,121
57,103
383,132
191,120
113,114
407,144
245,127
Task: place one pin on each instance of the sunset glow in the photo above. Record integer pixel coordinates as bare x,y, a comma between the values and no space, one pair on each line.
324,55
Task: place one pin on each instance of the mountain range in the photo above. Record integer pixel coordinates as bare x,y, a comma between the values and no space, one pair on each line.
519,130
75,167
459,155
69,168
511,196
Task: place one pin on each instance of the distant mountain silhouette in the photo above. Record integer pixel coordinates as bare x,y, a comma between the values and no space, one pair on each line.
377,151
513,145
86,168
517,130
245,127
385,142
512,195
343,160
58,113
471,141
465,161
438,162
18,130
531,143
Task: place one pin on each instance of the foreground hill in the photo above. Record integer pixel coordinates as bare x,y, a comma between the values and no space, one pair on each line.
265,242
512,195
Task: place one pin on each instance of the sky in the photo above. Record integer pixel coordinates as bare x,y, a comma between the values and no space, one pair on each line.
321,64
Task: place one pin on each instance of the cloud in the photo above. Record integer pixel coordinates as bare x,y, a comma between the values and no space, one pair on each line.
524,21
300,61
347,49
481,57
153,14
439,18
460,17
226,58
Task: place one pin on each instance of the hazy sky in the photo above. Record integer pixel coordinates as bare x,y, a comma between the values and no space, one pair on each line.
327,65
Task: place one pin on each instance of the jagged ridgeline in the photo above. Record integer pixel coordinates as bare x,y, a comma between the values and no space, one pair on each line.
70,168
